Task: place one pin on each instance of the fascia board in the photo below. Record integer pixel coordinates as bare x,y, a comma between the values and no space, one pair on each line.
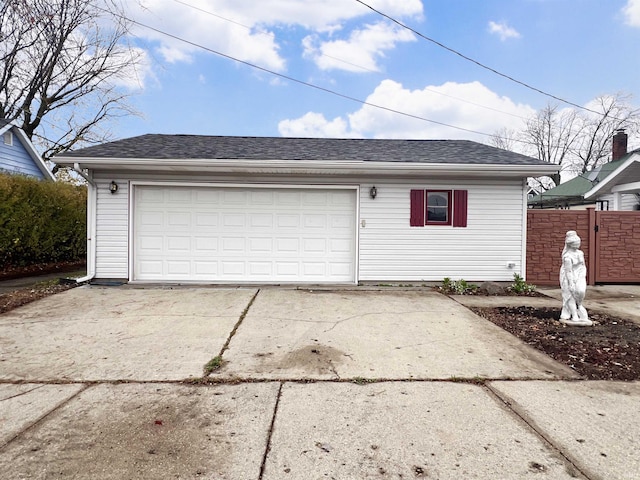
26,143
307,166
626,188
601,187
8,126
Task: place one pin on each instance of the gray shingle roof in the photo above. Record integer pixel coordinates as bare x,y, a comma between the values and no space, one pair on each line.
156,146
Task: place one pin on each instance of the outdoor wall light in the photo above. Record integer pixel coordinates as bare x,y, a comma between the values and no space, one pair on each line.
373,192
113,187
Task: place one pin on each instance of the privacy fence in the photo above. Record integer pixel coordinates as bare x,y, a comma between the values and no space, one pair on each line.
610,241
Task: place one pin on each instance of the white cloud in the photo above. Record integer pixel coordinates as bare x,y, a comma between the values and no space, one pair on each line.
313,124
487,113
503,30
360,51
246,29
631,12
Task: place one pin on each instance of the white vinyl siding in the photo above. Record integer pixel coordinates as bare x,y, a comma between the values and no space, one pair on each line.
627,201
391,250
112,230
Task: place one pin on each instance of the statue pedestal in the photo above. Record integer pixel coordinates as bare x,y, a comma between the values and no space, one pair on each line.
576,323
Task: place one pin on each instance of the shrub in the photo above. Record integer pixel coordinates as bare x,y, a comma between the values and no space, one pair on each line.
41,222
521,287
457,287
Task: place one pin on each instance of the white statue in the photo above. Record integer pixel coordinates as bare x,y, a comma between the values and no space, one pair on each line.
573,281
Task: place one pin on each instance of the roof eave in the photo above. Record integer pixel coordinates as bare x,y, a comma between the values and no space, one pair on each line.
304,166
602,188
37,159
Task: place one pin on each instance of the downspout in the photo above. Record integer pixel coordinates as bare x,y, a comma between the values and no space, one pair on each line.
91,224
525,219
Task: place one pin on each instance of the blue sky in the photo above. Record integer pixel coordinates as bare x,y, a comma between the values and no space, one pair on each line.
574,49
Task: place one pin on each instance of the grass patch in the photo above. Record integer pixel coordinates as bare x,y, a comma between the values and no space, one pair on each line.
214,364
362,380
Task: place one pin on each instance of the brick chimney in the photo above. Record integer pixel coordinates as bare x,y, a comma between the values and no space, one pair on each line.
619,149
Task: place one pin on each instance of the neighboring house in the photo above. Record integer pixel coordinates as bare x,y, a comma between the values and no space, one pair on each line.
206,209
612,186
17,154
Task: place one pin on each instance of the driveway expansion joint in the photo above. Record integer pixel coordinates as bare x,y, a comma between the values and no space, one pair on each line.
220,362
508,403
40,419
270,433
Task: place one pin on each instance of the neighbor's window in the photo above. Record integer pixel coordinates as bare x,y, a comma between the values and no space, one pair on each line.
438,207
8,138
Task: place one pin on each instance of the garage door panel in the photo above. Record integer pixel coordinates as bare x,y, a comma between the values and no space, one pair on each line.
204,245
233,245
261,245
204,220
288,221
244,234
315,221
261,220
314,269
287,246
234,220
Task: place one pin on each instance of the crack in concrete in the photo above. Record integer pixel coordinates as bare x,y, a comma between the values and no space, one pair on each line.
225,347
21,393
335,323
267,449
42,418
508,403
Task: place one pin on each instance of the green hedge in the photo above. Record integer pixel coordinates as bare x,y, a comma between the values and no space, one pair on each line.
41,222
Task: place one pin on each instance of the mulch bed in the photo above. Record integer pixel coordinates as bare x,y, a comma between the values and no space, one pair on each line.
9,273
22,296
608,350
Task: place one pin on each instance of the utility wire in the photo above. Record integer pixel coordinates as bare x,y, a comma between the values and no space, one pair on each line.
481,65
302,82
208,12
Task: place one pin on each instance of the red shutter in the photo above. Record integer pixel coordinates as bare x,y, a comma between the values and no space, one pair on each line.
460,208
416,218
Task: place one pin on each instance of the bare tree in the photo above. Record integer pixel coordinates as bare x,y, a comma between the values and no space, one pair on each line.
505,139
552,133
62,67
577,141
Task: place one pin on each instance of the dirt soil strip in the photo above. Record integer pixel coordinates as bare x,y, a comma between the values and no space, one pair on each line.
608,350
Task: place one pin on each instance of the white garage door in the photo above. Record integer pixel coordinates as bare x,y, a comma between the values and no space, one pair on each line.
227,234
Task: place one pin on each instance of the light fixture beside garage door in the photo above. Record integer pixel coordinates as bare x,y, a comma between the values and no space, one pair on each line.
113,187
373,192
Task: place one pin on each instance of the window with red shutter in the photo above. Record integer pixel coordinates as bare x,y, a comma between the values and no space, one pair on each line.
438,207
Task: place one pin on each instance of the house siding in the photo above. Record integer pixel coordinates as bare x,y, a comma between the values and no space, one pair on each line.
389,249
392,250
112,229
628,201
15,159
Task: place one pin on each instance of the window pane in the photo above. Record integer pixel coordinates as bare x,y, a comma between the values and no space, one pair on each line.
438,207
437,199
437,214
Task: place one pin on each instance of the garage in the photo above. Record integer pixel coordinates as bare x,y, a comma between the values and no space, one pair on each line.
243,234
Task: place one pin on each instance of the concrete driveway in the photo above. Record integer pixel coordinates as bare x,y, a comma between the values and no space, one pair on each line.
351,383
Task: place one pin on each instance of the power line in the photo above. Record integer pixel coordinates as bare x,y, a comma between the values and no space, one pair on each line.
481,65
209,12
302,82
